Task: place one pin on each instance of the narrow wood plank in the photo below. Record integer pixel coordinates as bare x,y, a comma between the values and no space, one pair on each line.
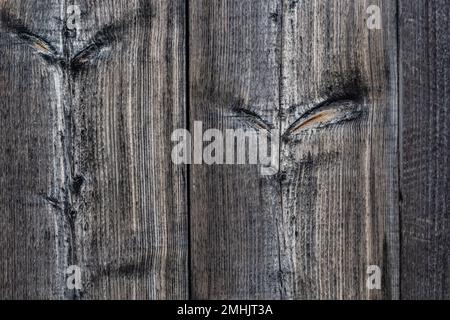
425,149
31,264
234,71
127,96
339,120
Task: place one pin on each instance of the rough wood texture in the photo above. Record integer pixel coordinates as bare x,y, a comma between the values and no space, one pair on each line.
339,159
425,149
95,186
233,67
87,179
30,156
315,71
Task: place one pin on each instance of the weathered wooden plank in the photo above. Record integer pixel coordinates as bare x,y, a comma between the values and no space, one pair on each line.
331,212
31,264
128,95
425,149
234,72
116,205
339,160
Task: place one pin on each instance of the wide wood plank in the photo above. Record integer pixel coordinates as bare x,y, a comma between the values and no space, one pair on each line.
327,85
425,148
95,186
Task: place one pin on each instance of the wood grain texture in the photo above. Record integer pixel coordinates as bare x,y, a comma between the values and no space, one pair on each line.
339,193
425,149
233,66
328,86
87,179
131,231
30,153
115,205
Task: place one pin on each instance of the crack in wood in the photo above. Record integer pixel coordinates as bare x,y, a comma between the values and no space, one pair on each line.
251,118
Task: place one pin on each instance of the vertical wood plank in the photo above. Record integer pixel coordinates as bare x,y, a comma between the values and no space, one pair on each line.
234,72
31,264
95,186
425,149
128,95
339,120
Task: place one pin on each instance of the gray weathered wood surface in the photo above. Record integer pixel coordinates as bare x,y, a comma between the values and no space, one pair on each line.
339,196
87,179
425,149
234,66
312,230
92,183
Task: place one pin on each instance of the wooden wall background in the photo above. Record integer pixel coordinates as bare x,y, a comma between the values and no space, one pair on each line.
85,161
